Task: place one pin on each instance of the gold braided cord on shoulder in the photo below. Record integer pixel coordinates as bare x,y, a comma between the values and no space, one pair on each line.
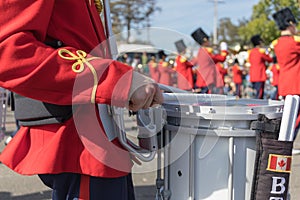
99,5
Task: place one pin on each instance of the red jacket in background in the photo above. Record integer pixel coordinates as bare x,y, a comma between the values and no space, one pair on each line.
275,68
221,70
165,73
153,70
287,50
184,71
237,74
257,60
207,71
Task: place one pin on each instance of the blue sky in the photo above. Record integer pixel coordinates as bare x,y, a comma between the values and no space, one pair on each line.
185,16
178,19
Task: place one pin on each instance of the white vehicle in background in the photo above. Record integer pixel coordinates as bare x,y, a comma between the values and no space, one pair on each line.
137,48
137,55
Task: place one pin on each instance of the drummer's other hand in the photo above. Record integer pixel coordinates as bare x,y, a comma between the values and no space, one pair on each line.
144,92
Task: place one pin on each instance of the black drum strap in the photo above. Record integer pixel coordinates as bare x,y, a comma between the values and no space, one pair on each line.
31,112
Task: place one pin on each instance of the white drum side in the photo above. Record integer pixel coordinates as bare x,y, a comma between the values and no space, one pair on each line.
204,172
211,151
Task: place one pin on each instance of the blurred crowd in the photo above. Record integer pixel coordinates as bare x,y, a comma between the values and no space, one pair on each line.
233,71
261,71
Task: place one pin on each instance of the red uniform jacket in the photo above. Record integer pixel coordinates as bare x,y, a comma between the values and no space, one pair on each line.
153,69
237,74
222,71
165,73
257,60
32,69
275,71
287,50
184,70
207,72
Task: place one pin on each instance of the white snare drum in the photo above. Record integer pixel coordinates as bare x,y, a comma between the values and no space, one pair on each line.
209,150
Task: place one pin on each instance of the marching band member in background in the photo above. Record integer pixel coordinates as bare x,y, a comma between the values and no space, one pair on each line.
275,69
164,69
287,51
184,68
257,59
153,69
208,76
237,73
60,58
222,69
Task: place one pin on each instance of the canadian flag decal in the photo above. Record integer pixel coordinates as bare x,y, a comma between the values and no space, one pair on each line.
279,163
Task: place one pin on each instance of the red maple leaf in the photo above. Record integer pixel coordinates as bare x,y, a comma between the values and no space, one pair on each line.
281,163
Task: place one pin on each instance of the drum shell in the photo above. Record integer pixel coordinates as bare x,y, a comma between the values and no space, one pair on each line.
210,147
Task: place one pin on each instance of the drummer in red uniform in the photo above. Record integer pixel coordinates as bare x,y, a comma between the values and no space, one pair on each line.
287,51
58,59
208,76
184,68
257,59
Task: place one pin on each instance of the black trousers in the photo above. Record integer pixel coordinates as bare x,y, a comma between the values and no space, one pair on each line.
259,87
69,186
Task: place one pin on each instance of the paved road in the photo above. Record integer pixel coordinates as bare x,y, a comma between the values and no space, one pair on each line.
16,187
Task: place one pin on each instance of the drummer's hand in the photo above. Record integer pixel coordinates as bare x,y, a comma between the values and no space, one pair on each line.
144,92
